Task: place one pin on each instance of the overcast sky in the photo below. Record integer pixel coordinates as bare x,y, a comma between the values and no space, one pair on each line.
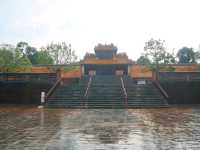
85,23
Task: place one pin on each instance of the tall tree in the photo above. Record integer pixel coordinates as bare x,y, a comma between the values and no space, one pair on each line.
6,57
142,60
10,59
61,53
30,52
21,46
156,52
20,59
186,55
42,58
197,56
27,50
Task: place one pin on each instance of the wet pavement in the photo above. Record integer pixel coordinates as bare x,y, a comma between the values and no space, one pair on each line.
23,127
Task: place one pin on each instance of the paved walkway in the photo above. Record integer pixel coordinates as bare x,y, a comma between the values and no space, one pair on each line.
31,128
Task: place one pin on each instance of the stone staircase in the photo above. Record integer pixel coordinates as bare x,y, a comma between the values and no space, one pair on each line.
68,95
105,92
143,95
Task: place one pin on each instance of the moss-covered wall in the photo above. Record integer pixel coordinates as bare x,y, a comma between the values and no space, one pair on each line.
22,92
182,92
24,88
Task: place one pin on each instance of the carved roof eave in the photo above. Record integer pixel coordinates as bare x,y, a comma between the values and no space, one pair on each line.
106,61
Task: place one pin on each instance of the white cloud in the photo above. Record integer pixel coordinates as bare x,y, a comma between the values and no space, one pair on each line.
126,23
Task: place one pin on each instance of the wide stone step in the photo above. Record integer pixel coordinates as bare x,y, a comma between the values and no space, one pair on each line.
65,102
106,92
146,104
105,99
105,95
144,97
67,95
66,99
145,101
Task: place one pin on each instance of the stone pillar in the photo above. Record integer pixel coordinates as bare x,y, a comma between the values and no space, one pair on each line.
129,70
82,70
58,74
42,98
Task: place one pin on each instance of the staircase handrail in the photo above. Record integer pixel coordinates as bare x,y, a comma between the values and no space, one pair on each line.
124,91
161,89
52,89
88,86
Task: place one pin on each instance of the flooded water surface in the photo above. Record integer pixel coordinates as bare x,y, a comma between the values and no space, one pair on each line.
99,129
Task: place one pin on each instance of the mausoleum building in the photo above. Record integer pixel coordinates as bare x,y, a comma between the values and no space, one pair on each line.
106,61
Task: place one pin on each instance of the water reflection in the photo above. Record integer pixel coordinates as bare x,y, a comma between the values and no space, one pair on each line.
166,128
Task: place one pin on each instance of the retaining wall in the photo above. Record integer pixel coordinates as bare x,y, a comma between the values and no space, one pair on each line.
182,92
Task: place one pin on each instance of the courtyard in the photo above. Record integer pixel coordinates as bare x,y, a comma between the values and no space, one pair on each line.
27,127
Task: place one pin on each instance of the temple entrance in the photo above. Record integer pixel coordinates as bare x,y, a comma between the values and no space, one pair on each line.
107,69
105,61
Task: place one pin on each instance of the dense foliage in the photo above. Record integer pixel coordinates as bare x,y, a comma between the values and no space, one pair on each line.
61,53
186,55
23,56
142,60
155,54
156,57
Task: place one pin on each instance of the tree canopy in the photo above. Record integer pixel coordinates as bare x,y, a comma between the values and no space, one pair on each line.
142,60
42,57
27,50
20,59
155,51
61,53
186,55
24,55
6,57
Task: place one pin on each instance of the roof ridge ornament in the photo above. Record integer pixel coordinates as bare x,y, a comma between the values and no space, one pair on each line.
106,47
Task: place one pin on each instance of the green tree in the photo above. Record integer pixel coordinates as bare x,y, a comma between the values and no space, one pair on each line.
6,57
197,56
30,52
169,58
155,50
6,60
20,59
27,50
61,53
142,60
42,58
10,59
21,46
186,55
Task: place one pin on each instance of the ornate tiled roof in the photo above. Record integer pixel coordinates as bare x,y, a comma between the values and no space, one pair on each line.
109,47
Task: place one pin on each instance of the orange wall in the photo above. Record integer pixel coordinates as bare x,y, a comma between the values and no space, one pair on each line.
76,73
139,71
106,61
39,70
135,71
189,68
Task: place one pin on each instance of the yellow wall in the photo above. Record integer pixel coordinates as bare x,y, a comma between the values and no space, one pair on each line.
135,71
185,68
76,73
139,71
106,61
